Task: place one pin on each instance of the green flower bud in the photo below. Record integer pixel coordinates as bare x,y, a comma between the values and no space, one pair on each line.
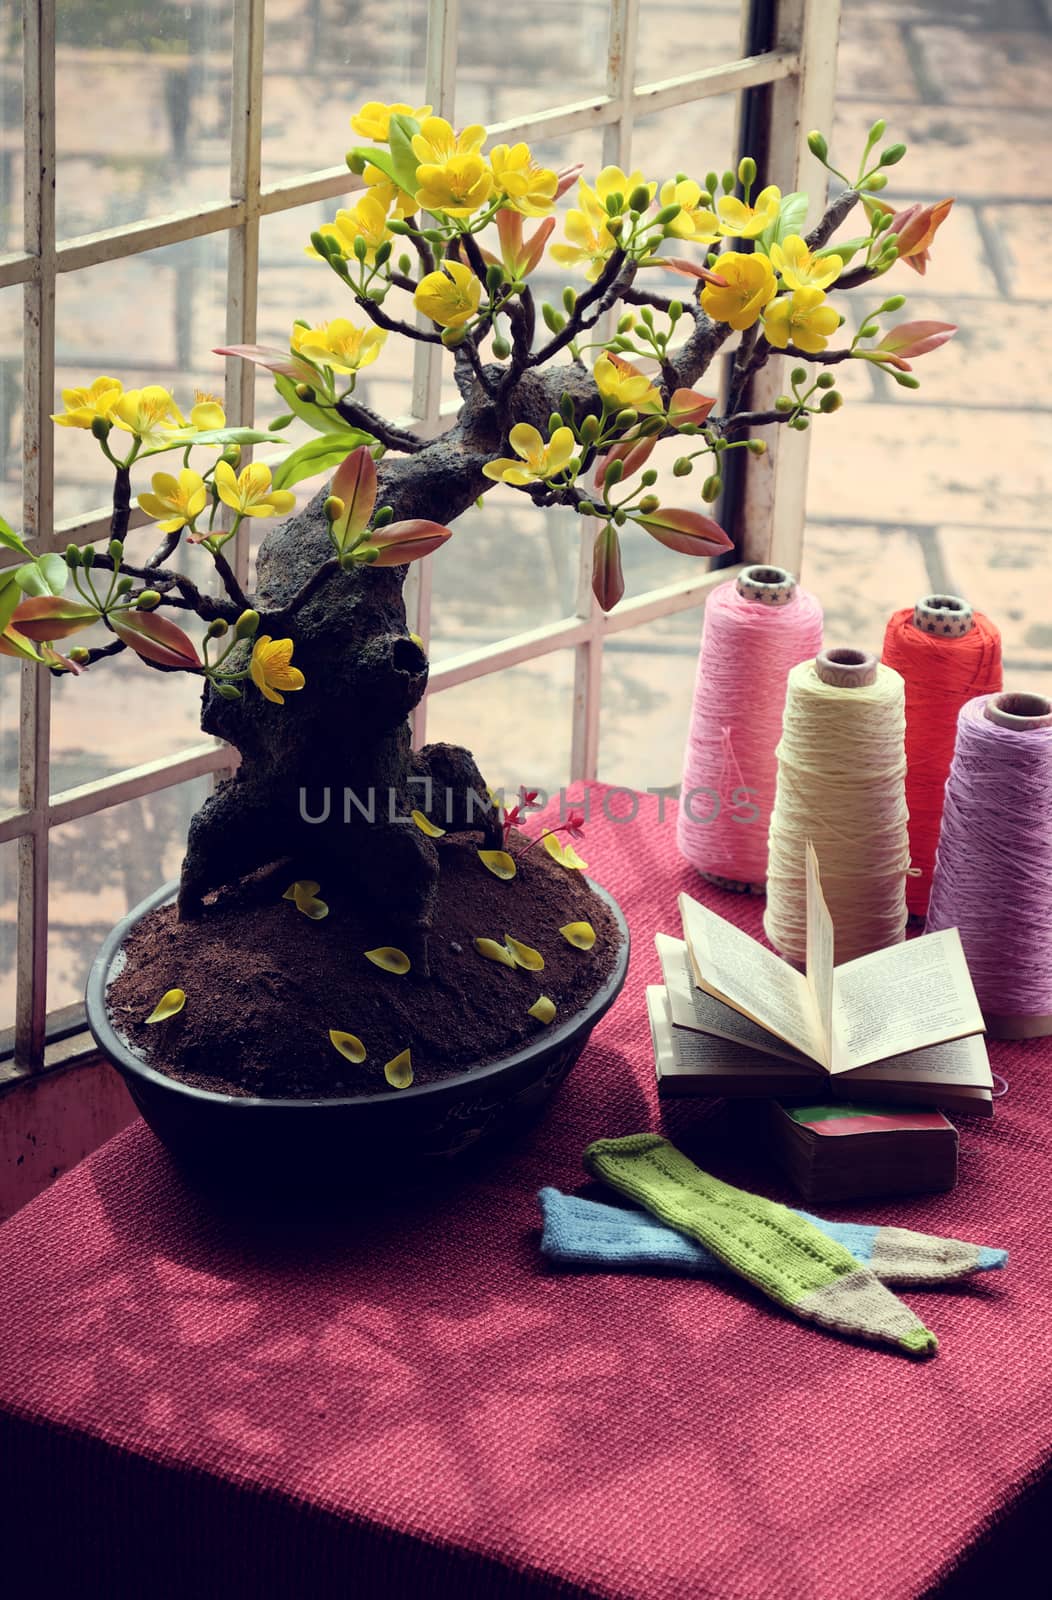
868,329
615,471
818,144
712,182
728,182
554,421
87,555
877,182
382,517
72,557
228,691
501,347
649,502
383,254
281,422
746,172
232,454
451,337
355,161
569,298
682,467
247,625
405,265
585,508
801,424
649,477
494,278
892,155
321,243
566,406
554,320
589,430
116,551
627,417
333,508
906,380
79,654
101,428
757,447
710,489
396,225
646,316
667,214
831,402
217,628
148,599
675,311
620,518
783,403
826,381
639,199
614,226
895,302
626,323
799,374
124,584
304,392
877,131
361,249
615,204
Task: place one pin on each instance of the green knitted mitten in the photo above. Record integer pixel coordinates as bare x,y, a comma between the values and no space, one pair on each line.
787,1257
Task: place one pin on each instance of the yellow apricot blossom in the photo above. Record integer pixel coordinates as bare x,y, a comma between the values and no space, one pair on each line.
802,319
537,459
373,121
748,222
800,269
457,187
367,220
621,384
436,143
449,296
590,240
612,180
271,671
206,415
150,414
749,285
84,405
338,344
250,494
695,221
387,193
529,188
175,502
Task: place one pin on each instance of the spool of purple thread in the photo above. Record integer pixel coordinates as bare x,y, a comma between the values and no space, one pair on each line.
993,866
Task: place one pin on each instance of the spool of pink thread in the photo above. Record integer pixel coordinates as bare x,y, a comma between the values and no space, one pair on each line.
993,866
757,628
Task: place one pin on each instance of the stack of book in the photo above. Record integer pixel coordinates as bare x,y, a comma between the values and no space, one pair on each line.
902,1025
845,1151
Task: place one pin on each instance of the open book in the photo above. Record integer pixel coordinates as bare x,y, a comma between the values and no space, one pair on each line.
900,1024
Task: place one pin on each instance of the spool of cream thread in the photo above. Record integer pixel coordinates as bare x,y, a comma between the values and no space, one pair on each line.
771,588
1024,713
841,667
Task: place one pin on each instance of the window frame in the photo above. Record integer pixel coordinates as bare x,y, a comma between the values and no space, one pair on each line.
785,76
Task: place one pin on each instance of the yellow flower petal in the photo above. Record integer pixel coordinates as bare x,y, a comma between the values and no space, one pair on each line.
399,1071
302,889
543,1009
494,952
427,826
169,1005
580,934
499,862
572,859
388,958
316,910
524,955
348,1044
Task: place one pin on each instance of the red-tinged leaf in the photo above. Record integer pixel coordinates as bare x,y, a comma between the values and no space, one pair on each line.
916,338
686,531
533,248
355,484
52,658
688,406
687,269
265,355
155,639
53,616
13,643
608,581
633,452
402,542
567,178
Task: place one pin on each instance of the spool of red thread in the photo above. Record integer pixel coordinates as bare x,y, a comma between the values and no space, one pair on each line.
947,653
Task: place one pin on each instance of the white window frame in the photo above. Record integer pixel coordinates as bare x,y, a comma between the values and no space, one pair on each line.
798,71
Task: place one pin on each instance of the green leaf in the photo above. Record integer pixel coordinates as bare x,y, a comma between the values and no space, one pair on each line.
400,132
380,159
11,540
318,455
10,595
13,643
792,214
48,574
322,421
220,436
845,249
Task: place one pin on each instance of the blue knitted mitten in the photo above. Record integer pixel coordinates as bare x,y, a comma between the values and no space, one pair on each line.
586,1233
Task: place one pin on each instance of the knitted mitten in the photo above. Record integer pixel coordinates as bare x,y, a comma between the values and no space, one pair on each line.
586,1233
786,1256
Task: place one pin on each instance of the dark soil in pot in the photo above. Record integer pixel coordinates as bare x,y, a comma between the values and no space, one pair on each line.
265,984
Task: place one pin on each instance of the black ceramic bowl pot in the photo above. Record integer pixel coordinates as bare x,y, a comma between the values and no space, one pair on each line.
236,1139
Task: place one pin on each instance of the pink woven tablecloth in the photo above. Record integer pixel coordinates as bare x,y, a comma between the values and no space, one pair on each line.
410,1402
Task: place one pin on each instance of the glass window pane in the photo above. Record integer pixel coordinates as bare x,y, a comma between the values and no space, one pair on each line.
518,723
153,318
681,36
11,326
648,683
11,122
540,56
101,867
321,63
694,138
143,95
8,920
10,677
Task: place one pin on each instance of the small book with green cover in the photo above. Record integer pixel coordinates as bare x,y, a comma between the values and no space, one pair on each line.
850,1151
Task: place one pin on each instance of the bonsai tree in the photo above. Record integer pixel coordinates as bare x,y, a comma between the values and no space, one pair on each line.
312,673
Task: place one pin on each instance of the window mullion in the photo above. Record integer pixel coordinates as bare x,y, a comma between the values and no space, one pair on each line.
38,482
